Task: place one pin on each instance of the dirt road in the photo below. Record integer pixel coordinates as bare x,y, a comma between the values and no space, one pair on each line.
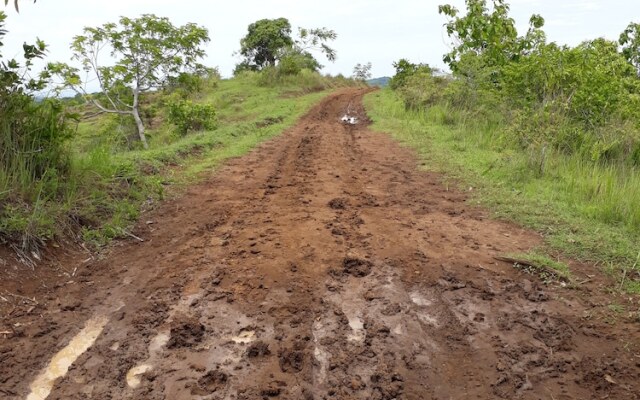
322,265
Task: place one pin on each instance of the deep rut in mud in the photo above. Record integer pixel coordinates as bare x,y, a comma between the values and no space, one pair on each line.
321,265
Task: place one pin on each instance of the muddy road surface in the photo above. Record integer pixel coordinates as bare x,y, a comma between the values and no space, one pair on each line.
323,265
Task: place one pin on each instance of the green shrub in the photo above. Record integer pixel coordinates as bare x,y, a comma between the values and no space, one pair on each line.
189,116
582,100
422,90
32,133
188,84
293,62
404,71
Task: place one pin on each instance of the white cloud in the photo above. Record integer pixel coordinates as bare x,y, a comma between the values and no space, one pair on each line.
380,31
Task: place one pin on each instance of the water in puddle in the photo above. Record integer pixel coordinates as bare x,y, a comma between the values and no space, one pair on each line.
244,337
428,319
155,347
133,376
158,342
321,355
357,327
419,299
60,363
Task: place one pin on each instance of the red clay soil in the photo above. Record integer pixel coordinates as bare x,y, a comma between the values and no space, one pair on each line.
323,265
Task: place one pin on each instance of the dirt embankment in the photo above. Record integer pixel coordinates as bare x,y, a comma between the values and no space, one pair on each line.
321,265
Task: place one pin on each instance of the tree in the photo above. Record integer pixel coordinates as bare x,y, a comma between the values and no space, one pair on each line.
362,72
404,70
315,39
149,53
488,33
630,42
269,41
264,41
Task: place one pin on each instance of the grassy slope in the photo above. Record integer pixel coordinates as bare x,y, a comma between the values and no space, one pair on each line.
106,190
587,212
248,115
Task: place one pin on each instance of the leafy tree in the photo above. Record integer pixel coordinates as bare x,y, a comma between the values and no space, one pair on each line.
149,53
315,39
404,70
590,82
264,42
490,33
362,72
270,41
630,42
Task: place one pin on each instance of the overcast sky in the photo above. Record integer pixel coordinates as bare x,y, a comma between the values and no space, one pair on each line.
372,30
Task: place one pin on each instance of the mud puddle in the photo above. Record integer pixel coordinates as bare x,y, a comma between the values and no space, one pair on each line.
60,363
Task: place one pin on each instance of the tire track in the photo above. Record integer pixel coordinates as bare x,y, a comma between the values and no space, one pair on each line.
325,265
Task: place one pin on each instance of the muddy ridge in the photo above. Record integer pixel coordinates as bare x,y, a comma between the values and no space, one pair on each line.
322,265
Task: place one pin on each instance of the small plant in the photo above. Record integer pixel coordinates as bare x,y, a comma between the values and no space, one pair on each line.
188,116
535,263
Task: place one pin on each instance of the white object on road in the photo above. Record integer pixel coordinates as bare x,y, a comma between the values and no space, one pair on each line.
347,119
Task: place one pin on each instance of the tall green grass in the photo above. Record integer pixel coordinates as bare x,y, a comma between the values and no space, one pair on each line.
585,209
33,164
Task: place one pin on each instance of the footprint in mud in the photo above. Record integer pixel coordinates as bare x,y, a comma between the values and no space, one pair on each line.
338,203
258,349
386,383
391,310
356,267
292,360
151,316
211,382
274,389
185,332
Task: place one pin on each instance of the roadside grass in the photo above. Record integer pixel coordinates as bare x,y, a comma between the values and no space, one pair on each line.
584,210
537,262
248,115
107,186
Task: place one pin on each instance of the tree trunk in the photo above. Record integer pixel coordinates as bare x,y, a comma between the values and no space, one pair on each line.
136,116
